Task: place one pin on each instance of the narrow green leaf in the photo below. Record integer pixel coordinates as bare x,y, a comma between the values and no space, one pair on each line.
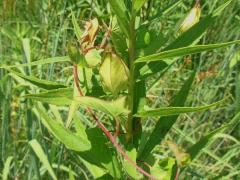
69,139
183,51
7,167
27,49
76,27
48,85
164,124
72,109
186,39
56,97
42,157
219,10
39,62
120,10
168,111
65,97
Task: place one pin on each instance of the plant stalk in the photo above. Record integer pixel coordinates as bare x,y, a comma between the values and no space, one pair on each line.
105,130
132,41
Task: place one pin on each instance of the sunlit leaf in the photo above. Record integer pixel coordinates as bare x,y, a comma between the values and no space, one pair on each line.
49,85
169,111
42,157
183,51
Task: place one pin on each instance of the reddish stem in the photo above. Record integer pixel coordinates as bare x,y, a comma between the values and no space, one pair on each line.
177,174
105,130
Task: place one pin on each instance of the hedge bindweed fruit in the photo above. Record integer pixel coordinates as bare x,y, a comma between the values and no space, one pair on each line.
114,73
75,56
191,19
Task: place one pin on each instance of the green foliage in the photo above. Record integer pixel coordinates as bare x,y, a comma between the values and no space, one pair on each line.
42,157
121,96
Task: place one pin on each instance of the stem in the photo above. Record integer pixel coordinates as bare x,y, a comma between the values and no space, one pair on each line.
105,130
131,85
177,174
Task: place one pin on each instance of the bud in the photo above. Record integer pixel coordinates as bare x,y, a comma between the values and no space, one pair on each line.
191,19
75,55
113,73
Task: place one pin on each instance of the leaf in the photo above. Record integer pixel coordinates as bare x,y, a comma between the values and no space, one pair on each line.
163,169
49,85
168,111
148,40
76,27
138,4
185,39
42,157
120,10
219,10
72,109
164,124
27,49
65,97
183,51
95,171
7,167
119,42
235,59
56,97
113,108
101,154
131,170
69,139
40,62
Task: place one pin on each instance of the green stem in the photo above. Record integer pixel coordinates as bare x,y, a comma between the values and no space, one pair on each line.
131,85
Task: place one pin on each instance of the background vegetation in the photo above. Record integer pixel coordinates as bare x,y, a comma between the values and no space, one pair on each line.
31,30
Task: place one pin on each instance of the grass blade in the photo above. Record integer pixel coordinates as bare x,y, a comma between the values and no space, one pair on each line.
7,167
40,62
42,157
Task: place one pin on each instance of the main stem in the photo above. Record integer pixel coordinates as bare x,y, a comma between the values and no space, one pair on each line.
132,39
105,130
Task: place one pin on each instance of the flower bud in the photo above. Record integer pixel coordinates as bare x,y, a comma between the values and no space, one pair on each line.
191,19
75,56
113,73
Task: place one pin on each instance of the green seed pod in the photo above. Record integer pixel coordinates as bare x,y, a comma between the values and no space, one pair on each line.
113,73
75,56
191,19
